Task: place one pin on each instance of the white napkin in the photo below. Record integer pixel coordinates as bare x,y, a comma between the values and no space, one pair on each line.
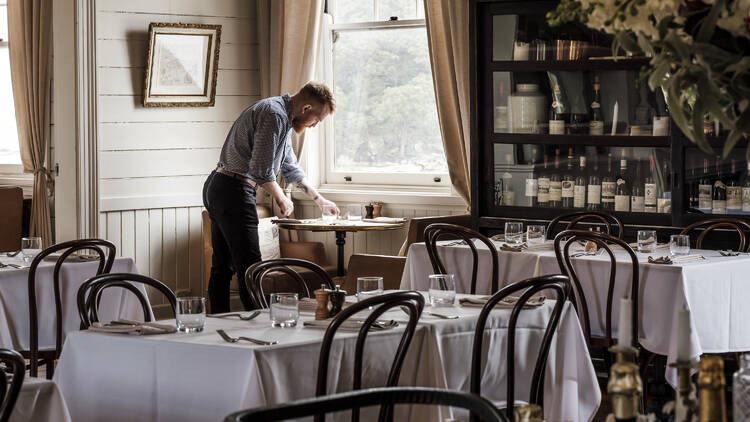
351,324
506,303
133,327
389,220
681,259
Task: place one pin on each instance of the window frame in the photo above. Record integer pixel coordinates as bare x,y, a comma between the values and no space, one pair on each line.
11,171
437,181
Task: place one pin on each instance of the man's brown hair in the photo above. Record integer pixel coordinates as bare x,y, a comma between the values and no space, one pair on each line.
319,92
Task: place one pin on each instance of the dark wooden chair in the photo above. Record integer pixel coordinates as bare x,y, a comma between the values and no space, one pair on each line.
559,284
436,231
38,357
10,389
90,292
259,272
595,218
740,226
484,410
413,303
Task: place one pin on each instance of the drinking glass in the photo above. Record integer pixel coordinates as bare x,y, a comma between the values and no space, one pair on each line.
646,241
329,213
284,309
355,212
191,314
535,234
30,247
442,290
679,244
368,287
514,233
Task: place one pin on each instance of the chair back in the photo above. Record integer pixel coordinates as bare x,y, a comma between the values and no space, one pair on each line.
602,241
717,223
255,275
415,232
600,218
11,218
559,284
434,232
106,260
9,391
481,407
391,268
413,303
90,292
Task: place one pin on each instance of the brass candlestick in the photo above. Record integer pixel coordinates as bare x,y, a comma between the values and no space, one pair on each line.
684,390
528,413
625,385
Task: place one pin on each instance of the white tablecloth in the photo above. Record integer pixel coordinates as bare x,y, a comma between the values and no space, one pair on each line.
14,300
714,290
199,377
40,400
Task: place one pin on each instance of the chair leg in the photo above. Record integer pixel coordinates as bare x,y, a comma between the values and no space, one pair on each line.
644,361
50,365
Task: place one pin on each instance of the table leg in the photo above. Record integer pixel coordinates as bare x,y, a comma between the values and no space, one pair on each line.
340,241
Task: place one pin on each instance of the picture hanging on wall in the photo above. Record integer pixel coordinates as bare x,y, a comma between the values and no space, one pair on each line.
181,65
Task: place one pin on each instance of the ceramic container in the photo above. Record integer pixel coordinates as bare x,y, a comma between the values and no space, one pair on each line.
526,109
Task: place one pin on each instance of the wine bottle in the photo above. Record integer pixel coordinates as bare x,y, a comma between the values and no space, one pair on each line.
704,189
692,187
568,183
596,125
719,194
637,196
555,184
532,183
649,187
579,190
557,113
734,191
594,189
608,187
711,383
622,194
543,186
746,191
664,193
508,194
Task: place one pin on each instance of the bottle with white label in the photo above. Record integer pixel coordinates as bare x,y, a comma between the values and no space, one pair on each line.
596,124
508,194
649,187
637,197
622,194
543,186
532,183
704,189
568,182
746,191
579,190
608,187
719,193
557,115
664,194
734,191
594,189
555,184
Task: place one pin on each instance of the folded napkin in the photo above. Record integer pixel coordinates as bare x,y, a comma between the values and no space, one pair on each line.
352,324
507,302
498,237
389,220
658,245
309,304
133,327
286,220
72,257
509,248
681,259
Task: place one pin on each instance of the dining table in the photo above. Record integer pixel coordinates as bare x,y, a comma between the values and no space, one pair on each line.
14,298
199,376
40,400
713,287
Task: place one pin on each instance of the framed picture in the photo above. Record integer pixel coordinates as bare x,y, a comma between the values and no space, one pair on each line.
182,64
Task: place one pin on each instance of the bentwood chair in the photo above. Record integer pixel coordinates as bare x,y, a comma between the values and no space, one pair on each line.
559,284
411,302
106,259
10,388
593,218
436,231
90,293
482,408
259,272
711,224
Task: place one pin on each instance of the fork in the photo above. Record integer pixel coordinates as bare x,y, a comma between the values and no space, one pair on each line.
236,314
230,339
435,314
20,267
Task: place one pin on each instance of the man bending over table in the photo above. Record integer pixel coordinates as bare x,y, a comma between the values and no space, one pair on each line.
257,149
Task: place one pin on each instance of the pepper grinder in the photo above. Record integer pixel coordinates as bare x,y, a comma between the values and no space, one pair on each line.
368,211
321,297
376,207
337,297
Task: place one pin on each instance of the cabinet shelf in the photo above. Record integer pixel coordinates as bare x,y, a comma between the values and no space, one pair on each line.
603,140
569,65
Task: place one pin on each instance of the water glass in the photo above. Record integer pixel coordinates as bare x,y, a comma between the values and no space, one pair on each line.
646,241
354,212
442,290
536,234
328,214
679,244
30,247
514,233
368,287
284,309
191,314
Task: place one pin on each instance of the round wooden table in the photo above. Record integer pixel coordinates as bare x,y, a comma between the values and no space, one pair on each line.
340,227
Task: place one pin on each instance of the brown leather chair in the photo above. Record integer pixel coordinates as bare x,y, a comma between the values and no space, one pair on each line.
309,251
418,224
391,268
11,217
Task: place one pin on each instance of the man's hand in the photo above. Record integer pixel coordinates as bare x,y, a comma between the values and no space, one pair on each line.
285,206
325,204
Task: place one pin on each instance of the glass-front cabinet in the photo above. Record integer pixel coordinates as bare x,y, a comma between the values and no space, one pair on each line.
559,123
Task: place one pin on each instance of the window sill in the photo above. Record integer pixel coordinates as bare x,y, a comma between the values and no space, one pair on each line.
403,195
24,180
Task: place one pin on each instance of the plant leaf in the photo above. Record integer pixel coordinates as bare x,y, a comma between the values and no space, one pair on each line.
658,74
708,26
700,138
741,129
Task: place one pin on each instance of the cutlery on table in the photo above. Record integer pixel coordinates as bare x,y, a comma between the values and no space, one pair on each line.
12,254
239,315
443,316
728,253
20,267
230,339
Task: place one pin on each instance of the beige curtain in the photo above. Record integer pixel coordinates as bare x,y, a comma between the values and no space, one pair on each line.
288,38
448,40
29,36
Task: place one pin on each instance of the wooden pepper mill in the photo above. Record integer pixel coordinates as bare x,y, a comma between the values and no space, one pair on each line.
337,297
376,208
321,297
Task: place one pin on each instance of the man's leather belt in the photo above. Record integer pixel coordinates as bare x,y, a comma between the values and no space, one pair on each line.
236,176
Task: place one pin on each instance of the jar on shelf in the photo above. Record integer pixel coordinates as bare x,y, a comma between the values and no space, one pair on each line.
526,109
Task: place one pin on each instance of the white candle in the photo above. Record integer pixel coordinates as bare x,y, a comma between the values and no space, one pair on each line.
625,328
683,335
614,118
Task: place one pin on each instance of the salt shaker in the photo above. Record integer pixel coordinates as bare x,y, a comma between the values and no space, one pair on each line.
321,297
337,297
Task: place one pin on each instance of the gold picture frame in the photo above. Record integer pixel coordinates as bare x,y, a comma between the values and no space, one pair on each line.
182,65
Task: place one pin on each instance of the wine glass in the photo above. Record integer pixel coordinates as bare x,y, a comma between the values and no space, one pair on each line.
30,247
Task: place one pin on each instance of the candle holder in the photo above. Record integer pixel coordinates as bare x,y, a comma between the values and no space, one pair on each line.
685,399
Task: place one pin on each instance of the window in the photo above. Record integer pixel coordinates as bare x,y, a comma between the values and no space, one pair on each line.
10,156
385,129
